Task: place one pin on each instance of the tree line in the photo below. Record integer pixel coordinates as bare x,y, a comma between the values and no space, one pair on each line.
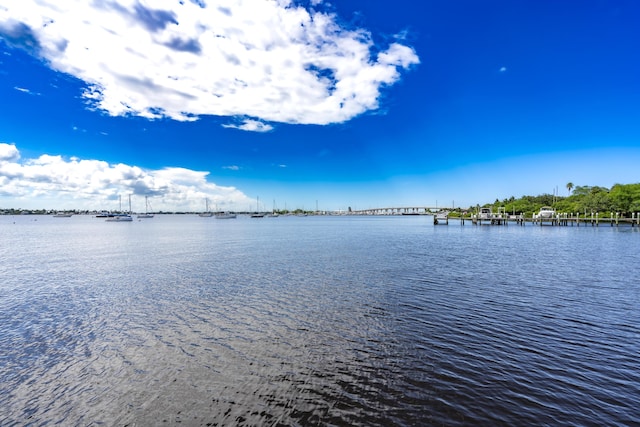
621,198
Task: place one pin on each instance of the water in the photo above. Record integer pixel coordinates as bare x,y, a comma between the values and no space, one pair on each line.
316,321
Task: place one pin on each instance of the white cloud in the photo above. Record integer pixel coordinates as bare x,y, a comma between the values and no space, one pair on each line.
271,61
8,153
232,167
52,182
250,125
503,69
23,90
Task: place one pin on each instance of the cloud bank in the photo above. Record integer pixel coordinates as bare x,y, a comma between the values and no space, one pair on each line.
258,60
52,182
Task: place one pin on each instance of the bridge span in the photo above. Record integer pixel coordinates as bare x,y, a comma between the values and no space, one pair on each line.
407,210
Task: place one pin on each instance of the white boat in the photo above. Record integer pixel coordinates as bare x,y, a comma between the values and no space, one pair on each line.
441,217
206,213
273,213
225,215
485,213
257,213
146,213
120,218
546,212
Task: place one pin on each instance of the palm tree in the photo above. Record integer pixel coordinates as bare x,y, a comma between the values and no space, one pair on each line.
569,187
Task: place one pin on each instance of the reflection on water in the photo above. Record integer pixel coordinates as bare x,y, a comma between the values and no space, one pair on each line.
343,321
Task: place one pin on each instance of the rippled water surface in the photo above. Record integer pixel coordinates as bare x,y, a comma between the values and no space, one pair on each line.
317,321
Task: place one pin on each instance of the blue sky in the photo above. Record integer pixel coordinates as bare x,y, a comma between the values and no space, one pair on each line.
359,104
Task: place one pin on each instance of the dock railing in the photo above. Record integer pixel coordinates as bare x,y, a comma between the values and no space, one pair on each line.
593,219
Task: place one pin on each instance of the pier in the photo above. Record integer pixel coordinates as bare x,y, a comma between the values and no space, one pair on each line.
484,216
562,219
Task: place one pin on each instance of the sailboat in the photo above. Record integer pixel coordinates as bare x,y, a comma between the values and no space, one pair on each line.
273,213
257,213
206,213
225,215
146,213
121,217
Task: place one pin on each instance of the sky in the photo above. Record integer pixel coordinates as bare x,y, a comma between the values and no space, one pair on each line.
256,104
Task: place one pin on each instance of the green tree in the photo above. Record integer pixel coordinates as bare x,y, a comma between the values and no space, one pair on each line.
597,200
622,198
625,198
569,187
581,190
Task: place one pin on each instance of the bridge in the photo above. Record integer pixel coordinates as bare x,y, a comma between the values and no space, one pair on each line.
407,210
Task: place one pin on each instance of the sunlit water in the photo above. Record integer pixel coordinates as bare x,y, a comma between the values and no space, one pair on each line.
317,321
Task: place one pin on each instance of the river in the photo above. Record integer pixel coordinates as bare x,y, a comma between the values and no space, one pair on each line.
358,321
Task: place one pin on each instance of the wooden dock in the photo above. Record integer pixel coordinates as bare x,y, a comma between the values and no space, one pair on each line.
566,220
484,216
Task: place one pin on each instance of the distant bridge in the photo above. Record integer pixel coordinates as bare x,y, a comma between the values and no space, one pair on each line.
410,210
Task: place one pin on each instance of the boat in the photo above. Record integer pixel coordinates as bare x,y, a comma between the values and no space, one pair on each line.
273,213
62,215
485,213
225,215
257,213
206,213
121,217
546,212
441,217
146,213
